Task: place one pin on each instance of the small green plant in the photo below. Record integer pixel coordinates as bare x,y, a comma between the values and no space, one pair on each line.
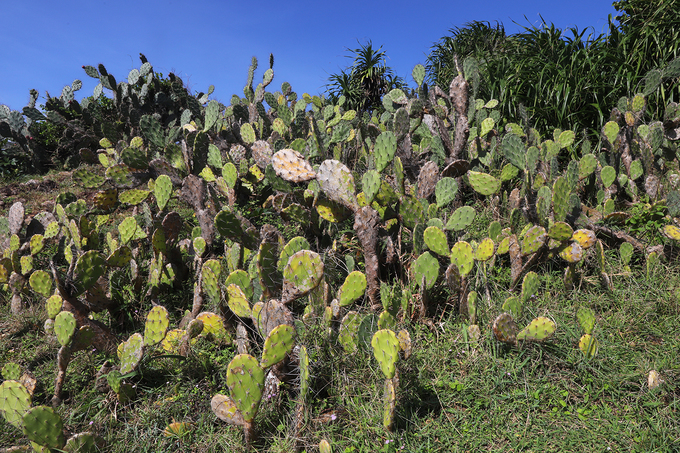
646,219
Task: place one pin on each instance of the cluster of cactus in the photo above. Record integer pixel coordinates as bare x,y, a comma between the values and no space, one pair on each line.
588,344
300,157
42,426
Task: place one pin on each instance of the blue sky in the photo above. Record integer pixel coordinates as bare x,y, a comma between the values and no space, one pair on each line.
45,43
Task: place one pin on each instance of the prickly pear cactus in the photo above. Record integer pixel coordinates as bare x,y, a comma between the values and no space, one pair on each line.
64,327
462,256
238,301
337,183
352,289
44,426
131,353
156,325
278,343
292,166
539,329
386,351
14,402
225,409
586,319
302,274
348,334
505,329
245,379
588,346
426,267
435,239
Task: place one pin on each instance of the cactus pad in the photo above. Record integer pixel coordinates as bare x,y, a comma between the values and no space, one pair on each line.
671,232
64,327
278,343
348,334
352,289
482,183
238,301
302,274
586,319
245,379
560,231
462,256
445,191
513,306
119,257
41,282
588,346
505,329
533,240
293,246
370,183
292,166
461,218
156,325
133,196
539,329
15,400
386,351
43,426
530,285
228,225
337,182
384,150
571,253
435,239
426,267
131,353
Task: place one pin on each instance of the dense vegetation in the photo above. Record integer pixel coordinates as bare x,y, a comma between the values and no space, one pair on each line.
438,268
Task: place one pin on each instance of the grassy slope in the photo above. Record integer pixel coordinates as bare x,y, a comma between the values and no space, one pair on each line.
453,396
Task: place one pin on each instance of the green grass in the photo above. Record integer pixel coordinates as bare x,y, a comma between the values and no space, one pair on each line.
453,395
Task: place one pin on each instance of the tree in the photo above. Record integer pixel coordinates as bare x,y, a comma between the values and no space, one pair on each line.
365,82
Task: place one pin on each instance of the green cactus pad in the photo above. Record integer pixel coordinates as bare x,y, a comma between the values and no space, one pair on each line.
11,371
85,442
445,191
472,298
586,319
462,255
26,264
626,251
44,426
293,246
386,351
348,334
461,218
212,325
85,178
411,211
162,191
228,225
172,341
539,329
292,166
387,321
105,199
533,240
560,192
530,285
513,306
225,409
514,150
41,283
15,400
370,183
133,196
426,267
127,229
120,257
671,232
156,325
277,345
405,343
337,183
64,327
120,176
131,353
611,131
482,183
485,250
36,243
571,253
586,166
608,176
245,379
82,338
505,329
241,279
52,230
560,231
238,302
210,281
384,150
352,288
435,239
302,274
588,346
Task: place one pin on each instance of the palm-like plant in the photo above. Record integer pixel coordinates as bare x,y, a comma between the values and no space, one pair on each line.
365,82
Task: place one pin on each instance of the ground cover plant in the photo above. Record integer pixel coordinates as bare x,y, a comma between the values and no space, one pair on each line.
288,273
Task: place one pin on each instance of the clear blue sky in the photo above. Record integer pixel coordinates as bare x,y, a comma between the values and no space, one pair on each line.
45,43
